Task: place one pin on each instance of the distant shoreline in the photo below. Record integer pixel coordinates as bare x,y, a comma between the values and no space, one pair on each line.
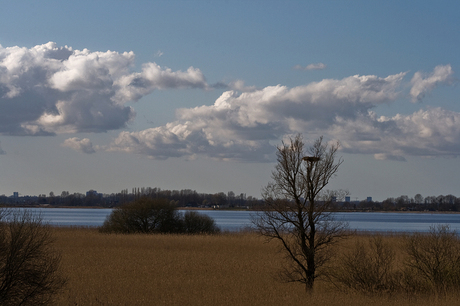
236,209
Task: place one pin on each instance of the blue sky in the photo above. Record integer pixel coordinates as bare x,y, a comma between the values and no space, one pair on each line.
109,95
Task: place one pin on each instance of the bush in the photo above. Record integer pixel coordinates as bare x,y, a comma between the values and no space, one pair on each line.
368,268
143,216
433,260
431,265
28,264
156,216
195,223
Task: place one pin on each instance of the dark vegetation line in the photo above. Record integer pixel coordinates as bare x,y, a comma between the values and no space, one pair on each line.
191,198
180,198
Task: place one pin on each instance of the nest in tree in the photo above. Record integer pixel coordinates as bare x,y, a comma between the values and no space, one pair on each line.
311,158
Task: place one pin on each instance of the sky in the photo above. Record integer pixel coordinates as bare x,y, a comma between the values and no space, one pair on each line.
108,95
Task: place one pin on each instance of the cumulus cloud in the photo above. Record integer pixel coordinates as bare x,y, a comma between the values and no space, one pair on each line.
245,125
49,89
428,133
83,145
317,66
423,83
134,86
240,126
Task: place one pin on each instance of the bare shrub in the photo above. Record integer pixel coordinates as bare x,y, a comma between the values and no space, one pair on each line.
28,263
433,261
368,268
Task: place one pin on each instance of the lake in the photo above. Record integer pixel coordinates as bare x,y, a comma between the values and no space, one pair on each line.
236,220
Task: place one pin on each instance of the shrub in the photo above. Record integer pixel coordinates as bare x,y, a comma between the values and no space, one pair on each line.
431,265
143,216
195,223
28,263
368,268
433,260
156,216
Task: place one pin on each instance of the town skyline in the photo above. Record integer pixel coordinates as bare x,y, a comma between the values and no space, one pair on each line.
101,199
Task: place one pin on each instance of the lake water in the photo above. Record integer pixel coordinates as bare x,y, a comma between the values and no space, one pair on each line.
236,220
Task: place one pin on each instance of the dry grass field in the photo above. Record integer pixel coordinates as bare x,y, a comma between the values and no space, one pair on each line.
227,269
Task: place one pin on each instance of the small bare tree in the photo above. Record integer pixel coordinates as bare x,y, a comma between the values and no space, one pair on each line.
29,266
297,214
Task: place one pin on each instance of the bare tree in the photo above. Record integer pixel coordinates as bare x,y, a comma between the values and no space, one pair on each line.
29,266
298,214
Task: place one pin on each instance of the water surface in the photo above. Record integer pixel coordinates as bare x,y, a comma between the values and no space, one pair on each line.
236,220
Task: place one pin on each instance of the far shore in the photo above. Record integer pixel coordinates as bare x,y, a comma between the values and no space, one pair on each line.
240,209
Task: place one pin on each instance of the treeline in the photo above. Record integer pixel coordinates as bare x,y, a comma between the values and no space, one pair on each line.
406,203
191,198
181,198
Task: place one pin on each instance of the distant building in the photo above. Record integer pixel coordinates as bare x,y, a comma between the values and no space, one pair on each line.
347,199
369,199
15,194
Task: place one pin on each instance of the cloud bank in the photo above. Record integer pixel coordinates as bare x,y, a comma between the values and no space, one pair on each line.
243,126
48,89
428,133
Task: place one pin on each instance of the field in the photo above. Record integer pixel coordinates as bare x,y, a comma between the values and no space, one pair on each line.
227,269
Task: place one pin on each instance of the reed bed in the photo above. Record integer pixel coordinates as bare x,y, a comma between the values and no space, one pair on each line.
226,269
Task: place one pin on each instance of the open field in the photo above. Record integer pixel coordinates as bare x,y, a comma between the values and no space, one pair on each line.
228,269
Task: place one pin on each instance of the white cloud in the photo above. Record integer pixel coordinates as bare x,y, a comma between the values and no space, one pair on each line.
428,133
132,87
316,66
424,83
243,126
240,126
83,145
49,89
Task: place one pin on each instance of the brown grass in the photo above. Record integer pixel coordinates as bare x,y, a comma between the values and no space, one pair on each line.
228,269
